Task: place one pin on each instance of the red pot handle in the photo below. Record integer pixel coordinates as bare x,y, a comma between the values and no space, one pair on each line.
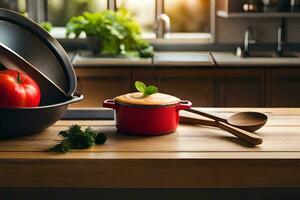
109,103
184,104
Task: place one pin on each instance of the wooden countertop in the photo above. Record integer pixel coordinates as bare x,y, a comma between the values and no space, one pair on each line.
193,157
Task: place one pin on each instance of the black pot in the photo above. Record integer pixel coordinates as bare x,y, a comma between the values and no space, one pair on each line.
23,121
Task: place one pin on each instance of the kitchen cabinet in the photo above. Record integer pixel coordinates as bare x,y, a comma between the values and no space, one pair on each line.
98,84
148,76
237,86
285,87
240,87
210,87
192,84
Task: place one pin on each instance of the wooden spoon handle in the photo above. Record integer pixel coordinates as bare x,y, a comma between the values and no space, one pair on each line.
242,134
189,120
210,116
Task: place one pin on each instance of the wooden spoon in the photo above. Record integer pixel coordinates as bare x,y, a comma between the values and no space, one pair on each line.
249,121
244,135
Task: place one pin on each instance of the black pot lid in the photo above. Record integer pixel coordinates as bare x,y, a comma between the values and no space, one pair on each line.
50,92
39,48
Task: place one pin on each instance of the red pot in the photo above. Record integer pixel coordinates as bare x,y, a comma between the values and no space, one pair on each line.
147,120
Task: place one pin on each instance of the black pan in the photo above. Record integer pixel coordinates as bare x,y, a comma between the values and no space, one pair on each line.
23,121
45,58
38,47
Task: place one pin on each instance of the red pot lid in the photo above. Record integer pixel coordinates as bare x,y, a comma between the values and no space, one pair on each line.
138,98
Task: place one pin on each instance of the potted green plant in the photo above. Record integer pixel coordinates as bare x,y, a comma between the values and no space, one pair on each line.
46,25
110,32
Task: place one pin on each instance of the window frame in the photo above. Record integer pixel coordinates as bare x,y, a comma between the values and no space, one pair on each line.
38,11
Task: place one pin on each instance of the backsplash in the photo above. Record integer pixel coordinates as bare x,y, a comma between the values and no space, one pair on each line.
232,30
265,29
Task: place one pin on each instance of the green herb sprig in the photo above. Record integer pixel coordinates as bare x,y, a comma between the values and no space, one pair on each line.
76,138
146,90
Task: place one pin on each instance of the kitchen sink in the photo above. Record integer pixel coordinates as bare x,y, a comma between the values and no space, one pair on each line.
290,55
182,58
261,55
269,54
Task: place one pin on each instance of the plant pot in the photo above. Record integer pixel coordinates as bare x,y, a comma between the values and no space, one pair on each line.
95,44
147,120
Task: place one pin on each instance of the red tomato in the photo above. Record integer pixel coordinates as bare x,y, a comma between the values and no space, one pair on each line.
18,90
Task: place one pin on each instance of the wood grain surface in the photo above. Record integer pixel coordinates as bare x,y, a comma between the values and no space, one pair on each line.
193,157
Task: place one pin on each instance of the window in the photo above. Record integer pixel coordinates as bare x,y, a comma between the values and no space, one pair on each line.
60,11
16,5
144,12
188,15
188,18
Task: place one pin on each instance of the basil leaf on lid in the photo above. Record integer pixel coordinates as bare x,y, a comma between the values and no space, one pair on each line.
140,86
150,90
146,90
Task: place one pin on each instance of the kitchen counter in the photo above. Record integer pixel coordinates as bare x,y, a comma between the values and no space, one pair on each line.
229,59
161,59
87,59
194,156
182,59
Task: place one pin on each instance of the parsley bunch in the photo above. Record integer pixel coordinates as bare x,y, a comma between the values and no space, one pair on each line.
75,138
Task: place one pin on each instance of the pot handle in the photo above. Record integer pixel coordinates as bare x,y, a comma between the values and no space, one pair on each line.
184,104
109,103
76,97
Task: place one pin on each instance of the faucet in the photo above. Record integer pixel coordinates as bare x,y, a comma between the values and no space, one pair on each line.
280,39
163,26
247,41
248,34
